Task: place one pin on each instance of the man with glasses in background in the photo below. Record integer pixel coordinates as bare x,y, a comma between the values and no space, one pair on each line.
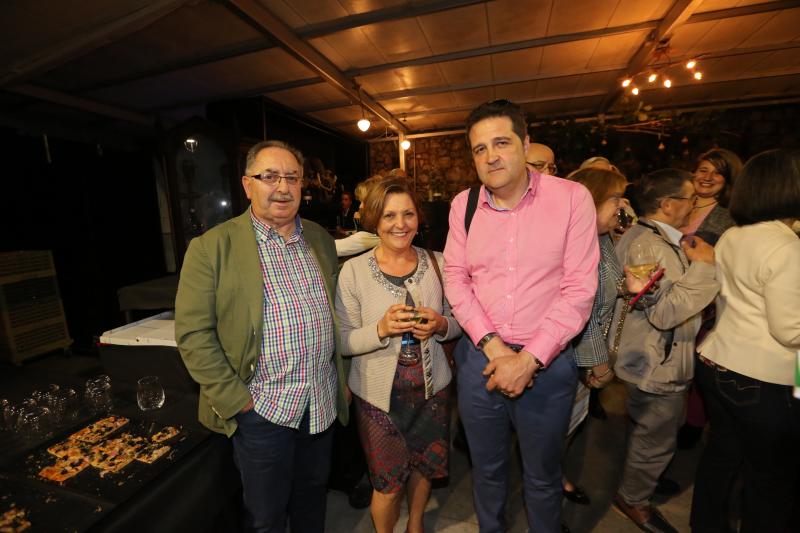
254,325
541,158
654,343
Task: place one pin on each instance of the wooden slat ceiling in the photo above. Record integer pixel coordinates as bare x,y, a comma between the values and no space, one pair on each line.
421,65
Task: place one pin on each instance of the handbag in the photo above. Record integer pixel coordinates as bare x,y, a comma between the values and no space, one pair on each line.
448,346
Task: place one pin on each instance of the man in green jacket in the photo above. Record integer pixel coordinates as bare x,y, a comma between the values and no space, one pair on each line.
255,327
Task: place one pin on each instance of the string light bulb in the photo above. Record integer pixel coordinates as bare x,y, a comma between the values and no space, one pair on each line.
364,124
626,82
691,64
698,75
406,144
667,83
635,91
652,77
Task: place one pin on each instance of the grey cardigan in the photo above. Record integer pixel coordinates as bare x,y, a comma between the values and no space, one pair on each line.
362,297
715,224
656,351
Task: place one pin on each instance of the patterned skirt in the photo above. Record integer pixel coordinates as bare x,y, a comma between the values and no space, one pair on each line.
415,434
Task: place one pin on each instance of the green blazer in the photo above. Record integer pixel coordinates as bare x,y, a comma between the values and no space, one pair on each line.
219,315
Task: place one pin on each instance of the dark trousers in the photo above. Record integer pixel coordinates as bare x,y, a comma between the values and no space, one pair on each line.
284,473
754,429
540,417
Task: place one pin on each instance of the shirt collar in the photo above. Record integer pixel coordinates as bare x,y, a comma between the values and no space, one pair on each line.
265,231
533,181
674,236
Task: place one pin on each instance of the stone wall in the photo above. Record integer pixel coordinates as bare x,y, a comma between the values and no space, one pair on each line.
440,166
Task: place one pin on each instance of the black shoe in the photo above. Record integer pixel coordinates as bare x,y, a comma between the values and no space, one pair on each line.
577,495
688,436
361,496
646,518
565,528
667,487
596,409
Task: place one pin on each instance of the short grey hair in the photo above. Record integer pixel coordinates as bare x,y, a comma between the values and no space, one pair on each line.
253,153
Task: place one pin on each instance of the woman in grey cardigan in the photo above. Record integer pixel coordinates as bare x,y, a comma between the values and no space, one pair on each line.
713,182
390,299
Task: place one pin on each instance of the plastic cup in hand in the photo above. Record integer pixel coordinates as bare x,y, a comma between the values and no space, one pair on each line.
149,393
641,260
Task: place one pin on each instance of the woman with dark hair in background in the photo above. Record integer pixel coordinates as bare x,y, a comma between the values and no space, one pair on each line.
748,360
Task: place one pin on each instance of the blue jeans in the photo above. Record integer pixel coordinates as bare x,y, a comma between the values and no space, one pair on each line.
540,417
284,474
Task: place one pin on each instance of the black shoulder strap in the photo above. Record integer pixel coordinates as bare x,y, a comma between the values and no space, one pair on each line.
472,205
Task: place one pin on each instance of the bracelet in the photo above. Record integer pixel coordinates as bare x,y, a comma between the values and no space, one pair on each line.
485,339
607,372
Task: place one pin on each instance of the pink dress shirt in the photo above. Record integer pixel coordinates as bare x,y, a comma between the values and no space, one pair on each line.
528,273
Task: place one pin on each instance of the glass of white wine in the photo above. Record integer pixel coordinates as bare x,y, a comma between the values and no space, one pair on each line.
641,260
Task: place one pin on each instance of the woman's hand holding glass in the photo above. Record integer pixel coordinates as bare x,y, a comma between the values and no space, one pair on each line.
428,323
397,319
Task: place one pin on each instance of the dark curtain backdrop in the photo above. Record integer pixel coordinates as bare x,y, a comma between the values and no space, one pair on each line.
95,209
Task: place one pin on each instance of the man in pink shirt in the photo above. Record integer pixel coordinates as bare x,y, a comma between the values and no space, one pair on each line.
521,282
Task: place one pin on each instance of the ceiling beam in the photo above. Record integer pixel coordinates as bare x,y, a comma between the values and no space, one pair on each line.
384,15
387,14
424,91
231,52
65,51
753,9
677,15
459,109
82,104
507,47
308,55
309,32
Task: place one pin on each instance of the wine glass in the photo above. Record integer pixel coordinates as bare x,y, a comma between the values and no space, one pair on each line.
149,396
641,260
149,393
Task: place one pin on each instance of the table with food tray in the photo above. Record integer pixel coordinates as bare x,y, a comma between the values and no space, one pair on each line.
194,486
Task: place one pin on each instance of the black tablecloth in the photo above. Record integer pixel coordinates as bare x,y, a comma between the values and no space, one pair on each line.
197,490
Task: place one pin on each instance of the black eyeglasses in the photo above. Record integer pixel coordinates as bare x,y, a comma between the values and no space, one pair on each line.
272,178
543,166
692,199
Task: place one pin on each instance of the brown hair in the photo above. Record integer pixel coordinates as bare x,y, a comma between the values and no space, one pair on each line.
376,200
599,181
728,165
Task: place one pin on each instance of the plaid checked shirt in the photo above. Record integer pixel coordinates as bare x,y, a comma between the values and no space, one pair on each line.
295,369
590,346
